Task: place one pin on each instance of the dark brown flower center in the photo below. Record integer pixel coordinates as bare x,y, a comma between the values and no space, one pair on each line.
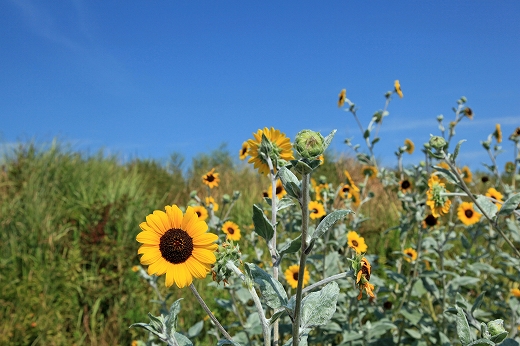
265,194
176,246
314,211
409,254
243,151
468,213
346,189
355,243
231,230
295,276
430,220
210,178
405,184
484,179
279,190
198,213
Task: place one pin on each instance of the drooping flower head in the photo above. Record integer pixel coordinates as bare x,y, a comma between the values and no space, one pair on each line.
211,179
493,193
316,209
438,203
201,211
371,171
176,245
467,214
341,97
467,176
281,149
498,133
468,112
232,230
280,191
410,255
410,147
356,242
242,154
397,88
363,270
291,275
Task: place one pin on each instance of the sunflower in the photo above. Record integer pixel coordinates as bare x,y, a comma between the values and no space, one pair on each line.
322,159
320,191
509,167
467,214
232,231
397,88
280,191
135,269
176,245
405,185
429,221
356,242
362,278
438,203
516,133
211,201
484,179
467,176
410,254
317,210
493,193
371,171
444,165
410,147
282,149
349,179
345,191
498,133
515,292
341,97
366,270
242,154
291,275
211,179
201,211
468,112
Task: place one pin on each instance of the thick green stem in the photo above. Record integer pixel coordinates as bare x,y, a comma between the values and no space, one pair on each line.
303,257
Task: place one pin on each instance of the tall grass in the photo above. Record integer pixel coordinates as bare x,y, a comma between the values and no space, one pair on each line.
67,242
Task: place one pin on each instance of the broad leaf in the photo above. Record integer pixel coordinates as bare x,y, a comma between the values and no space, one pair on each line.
318,307
272,290
263,226
510,205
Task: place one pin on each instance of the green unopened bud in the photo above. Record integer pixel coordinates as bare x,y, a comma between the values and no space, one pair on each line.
193,194
309,144
226,198
486,144
440,117
497,331
437,142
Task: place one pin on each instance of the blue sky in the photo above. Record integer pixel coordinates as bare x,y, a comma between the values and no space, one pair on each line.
148,78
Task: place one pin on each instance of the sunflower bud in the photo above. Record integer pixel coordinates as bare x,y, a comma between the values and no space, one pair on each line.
437,142
496,330
309,144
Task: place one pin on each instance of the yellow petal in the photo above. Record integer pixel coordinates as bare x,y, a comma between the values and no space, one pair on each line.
196,268
189,218
181,275
175,216
155,222
204,239
165,220
145,248
151,238
169,275
197,228
204,256
150,257
159,267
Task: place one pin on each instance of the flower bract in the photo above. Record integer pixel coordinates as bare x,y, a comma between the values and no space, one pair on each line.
177,245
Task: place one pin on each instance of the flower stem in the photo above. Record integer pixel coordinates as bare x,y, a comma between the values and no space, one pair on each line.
208,311
303,257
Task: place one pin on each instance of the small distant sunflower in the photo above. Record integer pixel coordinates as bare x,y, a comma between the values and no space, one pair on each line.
135,269
515,292
201,211
515,135
349,179
397,88
280,191
317,210
371,171
322,159
345,191
232,230
493,193
438,203
468,112
242,154
356,242
484,179
410,147
405,185
282,149
509,167
176,245
467,214
291,275
498,133
467,176
211,178
341,97
320,191
410,254
211,201
444,165
429,221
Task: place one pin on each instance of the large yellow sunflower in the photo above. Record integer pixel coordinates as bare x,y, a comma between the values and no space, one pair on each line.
316,210
467,214
493,193
176,245
291,275
211,178
410,147
201,211
242,154
356,242
280,191
282,148
232,230
438,203
410,254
